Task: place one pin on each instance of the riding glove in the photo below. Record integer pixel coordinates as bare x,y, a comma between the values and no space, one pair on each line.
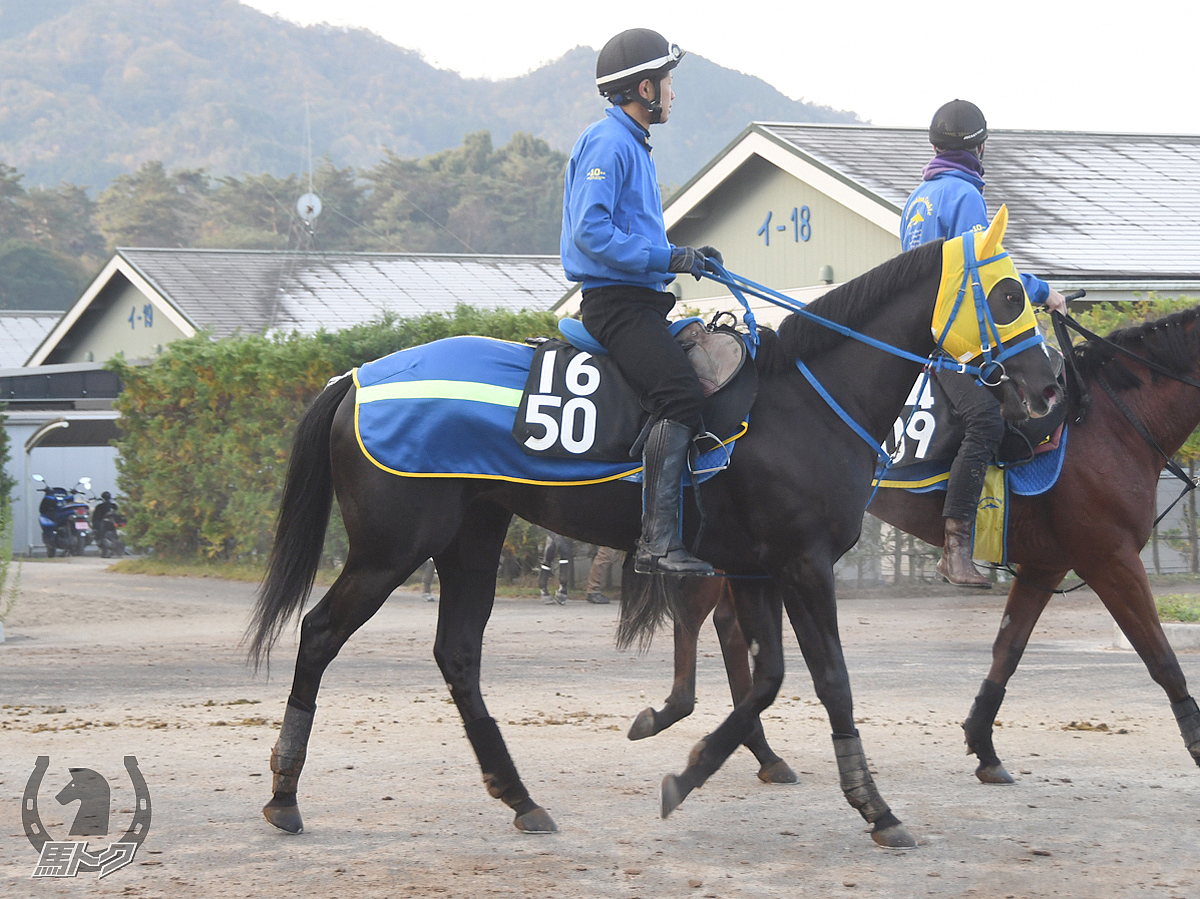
712,254
687,260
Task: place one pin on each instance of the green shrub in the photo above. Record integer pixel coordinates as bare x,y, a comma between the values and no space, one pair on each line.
1178,607
206,429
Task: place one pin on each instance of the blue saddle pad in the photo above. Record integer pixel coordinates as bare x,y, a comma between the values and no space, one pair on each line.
1030,479
446,409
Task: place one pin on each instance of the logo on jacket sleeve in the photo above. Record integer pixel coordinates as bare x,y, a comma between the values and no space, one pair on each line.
596,174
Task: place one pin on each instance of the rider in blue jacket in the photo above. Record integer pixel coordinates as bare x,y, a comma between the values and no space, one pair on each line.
949,202
615,243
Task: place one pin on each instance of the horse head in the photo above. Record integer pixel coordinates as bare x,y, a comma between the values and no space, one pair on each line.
982,317
91,790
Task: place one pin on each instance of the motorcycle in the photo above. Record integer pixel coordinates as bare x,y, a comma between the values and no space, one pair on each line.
107,526
64,520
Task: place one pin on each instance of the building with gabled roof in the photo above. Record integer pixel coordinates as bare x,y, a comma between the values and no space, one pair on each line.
145,298
799,206
21,331
60,418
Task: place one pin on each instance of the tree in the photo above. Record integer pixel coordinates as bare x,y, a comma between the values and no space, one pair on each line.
33,277
257,212
151,208
12,210
63,221
473,198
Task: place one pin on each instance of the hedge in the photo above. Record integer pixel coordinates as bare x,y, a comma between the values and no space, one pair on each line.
207,426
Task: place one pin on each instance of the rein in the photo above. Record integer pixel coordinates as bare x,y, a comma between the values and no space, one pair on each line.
992,367
1061,323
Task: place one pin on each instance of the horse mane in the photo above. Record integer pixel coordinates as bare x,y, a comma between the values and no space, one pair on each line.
852,304
1172,342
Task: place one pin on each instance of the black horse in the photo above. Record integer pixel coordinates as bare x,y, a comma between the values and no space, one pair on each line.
788,506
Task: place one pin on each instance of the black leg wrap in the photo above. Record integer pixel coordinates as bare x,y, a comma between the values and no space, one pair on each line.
978,726
857,783
1188,716
287,759
499,773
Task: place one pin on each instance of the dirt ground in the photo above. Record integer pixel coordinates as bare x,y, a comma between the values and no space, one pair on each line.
98,666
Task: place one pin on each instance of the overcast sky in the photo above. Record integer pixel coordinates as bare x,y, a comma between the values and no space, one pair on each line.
1045,64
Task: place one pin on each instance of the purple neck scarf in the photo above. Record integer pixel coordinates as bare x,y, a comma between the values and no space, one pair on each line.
953,161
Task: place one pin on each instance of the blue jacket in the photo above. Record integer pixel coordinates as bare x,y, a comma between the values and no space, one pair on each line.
612,230
947,205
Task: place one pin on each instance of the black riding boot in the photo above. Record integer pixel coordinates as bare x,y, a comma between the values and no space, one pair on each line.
661,551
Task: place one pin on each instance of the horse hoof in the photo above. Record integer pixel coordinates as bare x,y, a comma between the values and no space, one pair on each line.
994,774
673,794
285,817
894,837
536,821
643,725
778,772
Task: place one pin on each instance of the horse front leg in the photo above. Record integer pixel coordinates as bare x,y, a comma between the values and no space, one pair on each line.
699,596
354,597
1125,591
812,610
467,570
1027,598
736,653
758,609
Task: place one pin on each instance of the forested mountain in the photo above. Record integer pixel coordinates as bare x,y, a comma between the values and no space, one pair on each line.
92,89
474,198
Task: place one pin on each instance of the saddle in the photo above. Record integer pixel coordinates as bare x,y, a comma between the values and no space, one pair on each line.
717,353
576,404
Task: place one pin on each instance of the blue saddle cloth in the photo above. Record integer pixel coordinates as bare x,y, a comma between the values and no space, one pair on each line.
1034,477
446,409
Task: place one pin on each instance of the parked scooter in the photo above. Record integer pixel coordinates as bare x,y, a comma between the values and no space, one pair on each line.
64,519
108,525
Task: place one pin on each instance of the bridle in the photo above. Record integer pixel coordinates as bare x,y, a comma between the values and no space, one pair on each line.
1061,323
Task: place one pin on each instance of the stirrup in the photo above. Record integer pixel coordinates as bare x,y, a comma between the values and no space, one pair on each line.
677,562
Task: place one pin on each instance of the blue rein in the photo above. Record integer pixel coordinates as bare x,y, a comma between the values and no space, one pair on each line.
739,286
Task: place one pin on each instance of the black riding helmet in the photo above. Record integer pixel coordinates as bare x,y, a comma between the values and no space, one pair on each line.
958,125
630,58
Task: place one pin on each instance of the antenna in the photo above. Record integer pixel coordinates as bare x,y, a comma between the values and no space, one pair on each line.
308,207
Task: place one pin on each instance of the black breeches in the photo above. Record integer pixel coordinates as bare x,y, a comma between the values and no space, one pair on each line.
631,323
984,425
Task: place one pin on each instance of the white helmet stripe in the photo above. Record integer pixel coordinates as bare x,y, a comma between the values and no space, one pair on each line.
650,66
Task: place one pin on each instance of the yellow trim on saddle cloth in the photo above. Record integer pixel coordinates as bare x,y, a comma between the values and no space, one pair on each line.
963,340
913,485
990,517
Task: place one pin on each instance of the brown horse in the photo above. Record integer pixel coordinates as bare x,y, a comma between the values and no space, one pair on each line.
1095,520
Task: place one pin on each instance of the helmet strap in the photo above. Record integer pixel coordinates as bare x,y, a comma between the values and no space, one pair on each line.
654,107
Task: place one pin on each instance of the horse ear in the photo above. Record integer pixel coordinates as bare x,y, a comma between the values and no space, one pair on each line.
989,241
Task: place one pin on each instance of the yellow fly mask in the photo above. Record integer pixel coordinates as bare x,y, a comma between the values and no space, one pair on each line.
976,260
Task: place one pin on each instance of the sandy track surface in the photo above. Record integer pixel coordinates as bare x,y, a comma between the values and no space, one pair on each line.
98,666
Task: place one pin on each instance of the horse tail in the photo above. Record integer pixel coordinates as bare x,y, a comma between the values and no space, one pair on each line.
647,600
300,525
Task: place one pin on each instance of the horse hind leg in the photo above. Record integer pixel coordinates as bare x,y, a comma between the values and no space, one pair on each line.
736,653
467,569
698,596
1124,589
355,596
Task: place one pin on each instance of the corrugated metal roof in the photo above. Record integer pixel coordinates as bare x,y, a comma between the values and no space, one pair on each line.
21,333
227,291
1080,203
